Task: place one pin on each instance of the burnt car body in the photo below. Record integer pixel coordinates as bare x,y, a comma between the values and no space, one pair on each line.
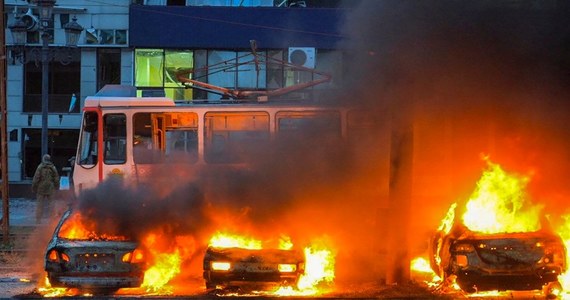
96,265
503,261
251,269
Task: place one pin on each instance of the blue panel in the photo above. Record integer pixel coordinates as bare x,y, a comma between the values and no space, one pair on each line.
208,27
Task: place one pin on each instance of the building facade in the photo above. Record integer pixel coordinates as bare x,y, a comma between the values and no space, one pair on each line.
143,44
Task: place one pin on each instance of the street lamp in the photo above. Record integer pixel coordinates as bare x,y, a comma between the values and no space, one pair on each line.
72,33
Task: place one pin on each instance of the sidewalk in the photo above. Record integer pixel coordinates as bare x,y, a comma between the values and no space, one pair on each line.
21,212
21,260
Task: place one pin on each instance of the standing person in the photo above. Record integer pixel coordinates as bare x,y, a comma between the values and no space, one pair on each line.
44,184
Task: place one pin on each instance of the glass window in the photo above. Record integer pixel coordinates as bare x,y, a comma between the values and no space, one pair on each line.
87,151
234,137
309,125
275,77
108,67
149,65
248,74
174,61
106,36
63,83
115,139
222,68
155,70
162,137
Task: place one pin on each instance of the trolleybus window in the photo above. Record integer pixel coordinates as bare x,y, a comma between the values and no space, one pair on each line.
88,140
230,136
115,137
160,135
304,124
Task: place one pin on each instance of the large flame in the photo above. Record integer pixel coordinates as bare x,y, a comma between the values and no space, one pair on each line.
319,262
319,268
77,228
166,262
227,240
156,278
500,204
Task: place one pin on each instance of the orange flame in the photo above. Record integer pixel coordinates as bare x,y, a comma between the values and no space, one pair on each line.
319,262
156,278
49,292
564,232
166,264
227,240
500,204
77,228
319,268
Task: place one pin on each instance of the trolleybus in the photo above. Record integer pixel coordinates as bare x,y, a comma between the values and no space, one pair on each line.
127,136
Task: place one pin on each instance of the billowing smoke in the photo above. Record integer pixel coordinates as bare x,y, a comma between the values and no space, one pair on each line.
134,212
469,78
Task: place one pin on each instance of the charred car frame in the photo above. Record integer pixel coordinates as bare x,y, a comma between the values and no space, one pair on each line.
251,269
502,261
96,265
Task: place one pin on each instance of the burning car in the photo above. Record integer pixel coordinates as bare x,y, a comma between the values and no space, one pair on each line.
79,258
250,268
500,261
499,240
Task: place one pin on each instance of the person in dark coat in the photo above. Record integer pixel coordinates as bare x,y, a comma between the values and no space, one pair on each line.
44,185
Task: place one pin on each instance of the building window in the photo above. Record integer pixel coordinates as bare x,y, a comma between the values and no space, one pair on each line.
149,64
62,144
275,78
106,36
174,60
108,67
156,69
63,84
175,2
155,72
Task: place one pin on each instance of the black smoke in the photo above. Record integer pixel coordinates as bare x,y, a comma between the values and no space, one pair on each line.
471,77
